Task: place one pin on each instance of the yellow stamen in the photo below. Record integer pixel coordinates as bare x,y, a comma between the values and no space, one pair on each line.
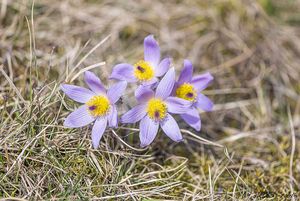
98,106
186,91
157,109
143,71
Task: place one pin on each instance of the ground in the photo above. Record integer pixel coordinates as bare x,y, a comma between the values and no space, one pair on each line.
248,147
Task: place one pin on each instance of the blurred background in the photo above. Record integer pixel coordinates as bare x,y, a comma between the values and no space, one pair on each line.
252,48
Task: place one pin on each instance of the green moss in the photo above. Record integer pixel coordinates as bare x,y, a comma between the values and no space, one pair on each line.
269,6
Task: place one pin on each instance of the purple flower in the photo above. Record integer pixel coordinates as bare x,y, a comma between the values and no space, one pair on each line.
144,71
154,110
99,105
188,88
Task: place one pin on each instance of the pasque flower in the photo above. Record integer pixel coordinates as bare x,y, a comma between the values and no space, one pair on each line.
144,71
154,110
189,88
99,105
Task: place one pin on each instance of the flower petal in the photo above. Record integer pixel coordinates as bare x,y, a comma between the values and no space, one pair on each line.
163,67
98,130
166,84
171,129
123,72
204,102
192,118
143,93
79,94
177,105
135,114
113,117
151,50
148,131
176,85
186,73
200,82
80,117
151,82
94,82
116,91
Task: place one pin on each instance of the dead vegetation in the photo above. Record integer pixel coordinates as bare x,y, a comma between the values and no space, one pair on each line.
252,49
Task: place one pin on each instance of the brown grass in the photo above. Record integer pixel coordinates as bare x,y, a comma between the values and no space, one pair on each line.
252,48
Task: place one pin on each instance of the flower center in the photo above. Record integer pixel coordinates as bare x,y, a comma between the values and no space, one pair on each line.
157,109
143,71
186,91
98,106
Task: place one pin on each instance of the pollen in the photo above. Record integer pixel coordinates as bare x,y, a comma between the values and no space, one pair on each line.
143,71
98,106
157,109
186,91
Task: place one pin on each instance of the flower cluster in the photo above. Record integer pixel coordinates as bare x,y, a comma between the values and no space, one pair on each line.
157,98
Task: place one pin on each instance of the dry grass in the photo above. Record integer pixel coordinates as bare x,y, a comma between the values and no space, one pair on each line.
253,50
